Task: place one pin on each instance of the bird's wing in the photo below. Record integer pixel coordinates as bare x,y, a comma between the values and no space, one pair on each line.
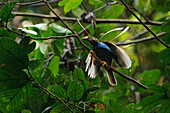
123,58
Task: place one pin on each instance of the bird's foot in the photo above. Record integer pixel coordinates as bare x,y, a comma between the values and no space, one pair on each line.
103,63
91,51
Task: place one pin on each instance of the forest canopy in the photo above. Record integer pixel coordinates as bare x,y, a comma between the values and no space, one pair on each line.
43,56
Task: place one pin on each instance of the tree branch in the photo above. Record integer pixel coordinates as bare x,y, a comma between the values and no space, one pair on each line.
140,40
143,24
125,21
41,87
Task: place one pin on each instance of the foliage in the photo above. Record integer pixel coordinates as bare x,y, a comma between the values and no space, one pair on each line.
38,75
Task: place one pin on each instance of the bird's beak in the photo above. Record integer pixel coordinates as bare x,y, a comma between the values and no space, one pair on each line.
85,38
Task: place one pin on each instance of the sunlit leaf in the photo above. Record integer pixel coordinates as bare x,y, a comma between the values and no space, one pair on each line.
54,65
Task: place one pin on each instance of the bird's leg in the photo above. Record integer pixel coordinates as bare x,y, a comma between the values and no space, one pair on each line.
103,63
91,51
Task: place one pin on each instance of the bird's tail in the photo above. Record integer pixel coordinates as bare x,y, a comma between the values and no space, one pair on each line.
111,78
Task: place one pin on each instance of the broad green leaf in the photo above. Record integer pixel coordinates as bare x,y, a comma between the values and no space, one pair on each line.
20,97
75,90
31,47
15,99
166,26
12,54
57,91
165,108
113,11
60,109
69,4
147,104
115,106
54,65
25,43
160,5
5,13
11,78
78,74
26,111
164,56
56,50
36,101
5,33
150,77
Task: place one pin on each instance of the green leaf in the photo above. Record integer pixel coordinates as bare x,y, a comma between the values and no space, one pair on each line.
166,26
12,54
31,47
78,74
43,48
149,103
7,34
16,98
5,13
59,29
165,108
26,46
115,106
150,77
113,11
164,56
56,50
69,4
54,65
60,109
57,91
160,5
11,78
75,90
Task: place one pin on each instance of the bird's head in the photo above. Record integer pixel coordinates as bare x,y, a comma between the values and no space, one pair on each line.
91,40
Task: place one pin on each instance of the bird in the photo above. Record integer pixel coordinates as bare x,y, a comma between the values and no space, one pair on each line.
109,54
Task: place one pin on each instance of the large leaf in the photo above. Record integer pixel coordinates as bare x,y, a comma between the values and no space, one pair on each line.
60,109
57,91
6,34
165,107
164,56
12,54
78,74
149,103
69,4
150,77
26,46
115,106
11,78
54,65
75,90
16,98
5,13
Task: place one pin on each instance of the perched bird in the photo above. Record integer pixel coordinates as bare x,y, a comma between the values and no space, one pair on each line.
109,53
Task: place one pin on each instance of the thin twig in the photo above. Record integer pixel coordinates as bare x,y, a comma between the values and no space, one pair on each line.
141,40
89,105
134,37
125,21
144,24
57,37
41,87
